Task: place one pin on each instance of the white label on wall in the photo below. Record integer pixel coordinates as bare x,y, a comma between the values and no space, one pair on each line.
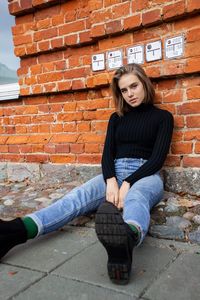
153,51
115,59
135,54
98,62
174,47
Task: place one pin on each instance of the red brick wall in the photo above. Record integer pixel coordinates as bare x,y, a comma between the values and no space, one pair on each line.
62,113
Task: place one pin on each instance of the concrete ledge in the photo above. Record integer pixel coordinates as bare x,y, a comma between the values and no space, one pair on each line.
186,180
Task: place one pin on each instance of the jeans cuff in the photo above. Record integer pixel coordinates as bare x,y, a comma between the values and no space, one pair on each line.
138,226
38,223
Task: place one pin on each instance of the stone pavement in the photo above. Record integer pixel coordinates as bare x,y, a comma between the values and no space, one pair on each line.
71,264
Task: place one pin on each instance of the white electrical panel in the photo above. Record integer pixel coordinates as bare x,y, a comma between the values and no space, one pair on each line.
98,62
153,51
135,54
174,47
114,59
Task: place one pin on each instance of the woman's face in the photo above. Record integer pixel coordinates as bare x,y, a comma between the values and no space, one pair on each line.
132,89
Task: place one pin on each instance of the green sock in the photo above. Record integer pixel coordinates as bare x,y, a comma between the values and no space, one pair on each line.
31,227
135,230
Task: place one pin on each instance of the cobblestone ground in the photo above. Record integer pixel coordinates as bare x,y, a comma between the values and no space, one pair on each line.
176,217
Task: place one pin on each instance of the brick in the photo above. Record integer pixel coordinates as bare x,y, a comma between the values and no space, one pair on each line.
99,126
37,148
72,27
139,5
69,106
48,12
120,10
20,51
57,20
173,96
17,140
113,27
192,49
91,105
193,5
177,136
42,118
104,15
115,42
45,34
151,17
76,148
39,139
92,148
39,158
13,149
111,2
91,138
190,161
18,29
71,39
89,115
89,159
84,37
78,84
62,148
83,127
68,117
63,158
57,43
69,127
173,10
133,22
197,147
101,79
44,46
76,73
31,49
43,24
186,23
3,149
193,35
44,128
93,5
97,31
177,68
56,128
22,39
192,135
181,148
49,149
64,85
64,138
189,108
193,121
14,8
179,121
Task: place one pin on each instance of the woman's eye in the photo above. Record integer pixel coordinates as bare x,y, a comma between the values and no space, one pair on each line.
133,86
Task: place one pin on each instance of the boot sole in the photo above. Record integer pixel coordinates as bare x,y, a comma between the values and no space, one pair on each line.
111,232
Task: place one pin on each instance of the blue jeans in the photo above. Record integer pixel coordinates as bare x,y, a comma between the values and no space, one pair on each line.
142,196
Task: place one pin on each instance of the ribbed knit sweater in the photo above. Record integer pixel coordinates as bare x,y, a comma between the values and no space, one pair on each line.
143,132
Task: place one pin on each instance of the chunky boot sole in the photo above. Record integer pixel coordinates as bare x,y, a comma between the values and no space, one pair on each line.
112,233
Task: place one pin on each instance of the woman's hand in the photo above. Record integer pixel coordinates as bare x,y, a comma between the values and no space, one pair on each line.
112,191
122,193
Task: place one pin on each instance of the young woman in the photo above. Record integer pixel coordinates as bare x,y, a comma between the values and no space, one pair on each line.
137,142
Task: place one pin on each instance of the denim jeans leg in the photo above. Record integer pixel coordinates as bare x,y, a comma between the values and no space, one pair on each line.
79,201
142,196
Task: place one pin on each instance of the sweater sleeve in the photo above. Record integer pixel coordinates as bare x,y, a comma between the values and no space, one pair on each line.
109,151
159,152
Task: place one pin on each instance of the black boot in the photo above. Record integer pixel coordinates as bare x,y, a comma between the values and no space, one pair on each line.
118,240
12,233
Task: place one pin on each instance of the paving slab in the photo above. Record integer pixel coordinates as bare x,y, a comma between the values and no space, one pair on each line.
14,279
53,287
180,280
49,251
90,266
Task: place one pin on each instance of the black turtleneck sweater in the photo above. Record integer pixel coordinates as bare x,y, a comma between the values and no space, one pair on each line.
143,132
